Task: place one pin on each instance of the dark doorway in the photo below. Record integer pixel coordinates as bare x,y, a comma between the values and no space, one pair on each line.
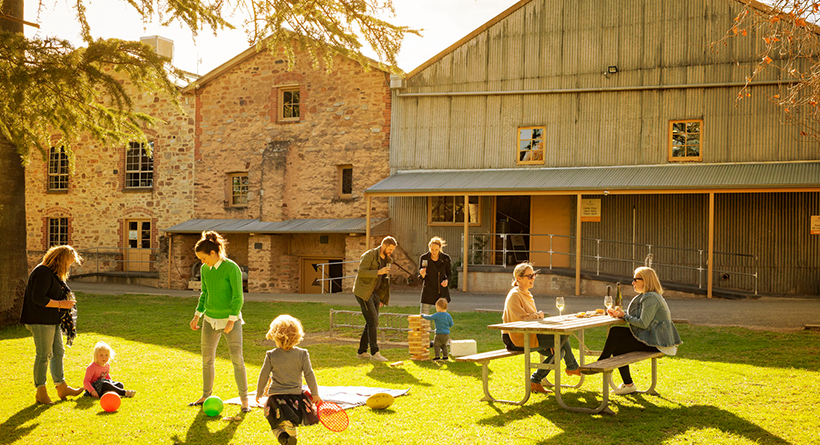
512,216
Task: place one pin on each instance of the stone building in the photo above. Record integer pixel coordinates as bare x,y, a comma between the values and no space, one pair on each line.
113,204
281,162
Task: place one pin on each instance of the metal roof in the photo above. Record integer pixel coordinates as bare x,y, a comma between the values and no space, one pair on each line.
683,177
351,225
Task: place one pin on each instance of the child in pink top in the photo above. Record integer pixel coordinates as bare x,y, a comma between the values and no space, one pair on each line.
97,380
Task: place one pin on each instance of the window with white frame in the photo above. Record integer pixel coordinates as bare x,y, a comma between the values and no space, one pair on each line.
239,189
139,165
57,169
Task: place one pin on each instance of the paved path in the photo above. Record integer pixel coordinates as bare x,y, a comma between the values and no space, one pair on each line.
778,314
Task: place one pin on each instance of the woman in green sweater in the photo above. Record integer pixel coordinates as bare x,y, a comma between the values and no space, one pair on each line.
221,304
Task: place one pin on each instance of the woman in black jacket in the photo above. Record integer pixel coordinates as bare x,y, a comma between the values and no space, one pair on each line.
434,270
47,297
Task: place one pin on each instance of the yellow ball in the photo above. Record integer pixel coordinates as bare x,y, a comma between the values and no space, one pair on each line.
380,400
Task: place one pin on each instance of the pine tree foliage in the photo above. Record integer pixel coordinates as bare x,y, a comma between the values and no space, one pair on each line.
789,42
50,89
56,89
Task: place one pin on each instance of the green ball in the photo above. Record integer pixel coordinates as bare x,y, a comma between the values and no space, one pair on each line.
213,406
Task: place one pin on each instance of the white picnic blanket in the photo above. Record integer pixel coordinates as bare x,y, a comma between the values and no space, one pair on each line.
345,396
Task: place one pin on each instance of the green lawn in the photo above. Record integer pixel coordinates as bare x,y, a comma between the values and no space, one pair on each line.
727,385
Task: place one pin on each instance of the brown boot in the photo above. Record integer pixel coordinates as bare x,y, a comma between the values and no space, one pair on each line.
63,390
42,396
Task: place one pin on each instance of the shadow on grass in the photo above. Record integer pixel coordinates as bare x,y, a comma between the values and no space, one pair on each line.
395,375
632,421
13,429
86,402
14,332
199,433
471,370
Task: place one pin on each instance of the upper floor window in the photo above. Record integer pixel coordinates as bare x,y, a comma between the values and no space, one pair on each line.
289,100
449,210
57,169
139,165
239,189
345,188
531,145
57,231
685,140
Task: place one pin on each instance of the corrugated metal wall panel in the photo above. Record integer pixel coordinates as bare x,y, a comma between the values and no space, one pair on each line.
409,218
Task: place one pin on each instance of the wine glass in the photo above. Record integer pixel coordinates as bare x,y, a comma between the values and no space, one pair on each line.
608,302
559,303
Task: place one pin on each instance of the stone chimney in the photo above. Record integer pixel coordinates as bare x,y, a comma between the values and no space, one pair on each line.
162,45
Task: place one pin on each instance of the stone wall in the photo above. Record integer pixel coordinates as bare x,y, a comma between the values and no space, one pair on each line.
97,203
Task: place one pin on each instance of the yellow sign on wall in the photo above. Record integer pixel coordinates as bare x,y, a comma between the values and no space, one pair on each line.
590,210
815,224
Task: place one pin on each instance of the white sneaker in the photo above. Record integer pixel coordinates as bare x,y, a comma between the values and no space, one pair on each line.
378,357
363,356
623,389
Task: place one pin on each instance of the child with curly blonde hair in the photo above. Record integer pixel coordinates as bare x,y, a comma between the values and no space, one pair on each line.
282,372
97,378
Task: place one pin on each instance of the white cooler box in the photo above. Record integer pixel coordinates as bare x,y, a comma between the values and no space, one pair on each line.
460,348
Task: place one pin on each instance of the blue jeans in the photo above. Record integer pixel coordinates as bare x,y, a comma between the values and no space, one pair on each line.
48,348
209,342
544,344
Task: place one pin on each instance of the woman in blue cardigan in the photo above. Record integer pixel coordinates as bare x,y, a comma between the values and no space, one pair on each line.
650,325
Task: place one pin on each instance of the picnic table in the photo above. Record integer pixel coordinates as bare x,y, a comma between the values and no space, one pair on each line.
571,325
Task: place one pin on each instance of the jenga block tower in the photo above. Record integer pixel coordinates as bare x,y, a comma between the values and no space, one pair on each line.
418,338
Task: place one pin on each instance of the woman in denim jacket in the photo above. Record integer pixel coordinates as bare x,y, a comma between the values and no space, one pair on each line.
650,325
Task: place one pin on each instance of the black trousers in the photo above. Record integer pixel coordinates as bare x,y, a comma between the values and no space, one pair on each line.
620,341
370,310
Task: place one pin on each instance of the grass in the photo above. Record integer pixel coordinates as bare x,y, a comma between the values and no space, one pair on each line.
727,385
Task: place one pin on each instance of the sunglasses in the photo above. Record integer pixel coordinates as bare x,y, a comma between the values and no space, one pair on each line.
637,279
531,275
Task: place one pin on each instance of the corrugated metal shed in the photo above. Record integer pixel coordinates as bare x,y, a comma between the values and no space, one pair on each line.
773,176
352,225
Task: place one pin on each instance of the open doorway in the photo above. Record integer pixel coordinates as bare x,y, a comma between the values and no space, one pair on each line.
512,217
311,273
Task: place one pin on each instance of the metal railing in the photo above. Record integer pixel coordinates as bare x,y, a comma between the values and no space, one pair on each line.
326,277
388,322
731,270
113,259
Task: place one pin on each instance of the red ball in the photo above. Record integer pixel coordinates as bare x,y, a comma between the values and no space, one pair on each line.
110,401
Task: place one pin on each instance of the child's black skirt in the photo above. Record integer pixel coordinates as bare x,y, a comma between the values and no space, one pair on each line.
296,408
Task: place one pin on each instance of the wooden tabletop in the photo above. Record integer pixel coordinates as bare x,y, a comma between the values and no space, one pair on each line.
564,323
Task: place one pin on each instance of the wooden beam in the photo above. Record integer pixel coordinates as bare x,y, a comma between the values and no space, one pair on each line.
367,224
170,256
578,246
524,192
711,256
466,243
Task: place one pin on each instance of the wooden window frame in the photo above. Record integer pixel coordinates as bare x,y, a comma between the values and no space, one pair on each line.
139,172
430,221
518,150
58,169
62,231
282,104
232,194
671,158
340,169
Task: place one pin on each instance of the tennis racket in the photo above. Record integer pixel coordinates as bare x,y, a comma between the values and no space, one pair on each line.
332,416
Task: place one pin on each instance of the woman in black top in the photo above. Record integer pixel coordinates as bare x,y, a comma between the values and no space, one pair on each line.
47,296
434,270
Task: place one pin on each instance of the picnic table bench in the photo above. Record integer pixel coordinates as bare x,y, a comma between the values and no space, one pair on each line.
484,358
607,365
